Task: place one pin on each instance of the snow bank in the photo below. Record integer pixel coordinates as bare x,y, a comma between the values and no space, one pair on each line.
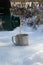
22,55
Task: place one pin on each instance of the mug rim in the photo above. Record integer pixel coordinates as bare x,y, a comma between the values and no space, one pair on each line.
21,35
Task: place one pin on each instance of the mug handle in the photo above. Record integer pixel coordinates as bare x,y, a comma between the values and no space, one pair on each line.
13,39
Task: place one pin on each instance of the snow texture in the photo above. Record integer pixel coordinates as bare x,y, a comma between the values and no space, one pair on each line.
22,55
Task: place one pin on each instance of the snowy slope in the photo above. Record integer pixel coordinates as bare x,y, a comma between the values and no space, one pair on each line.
22,55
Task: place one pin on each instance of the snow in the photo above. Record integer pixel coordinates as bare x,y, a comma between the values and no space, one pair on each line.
22,55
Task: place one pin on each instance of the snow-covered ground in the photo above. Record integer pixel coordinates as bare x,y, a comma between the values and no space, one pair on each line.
22,55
